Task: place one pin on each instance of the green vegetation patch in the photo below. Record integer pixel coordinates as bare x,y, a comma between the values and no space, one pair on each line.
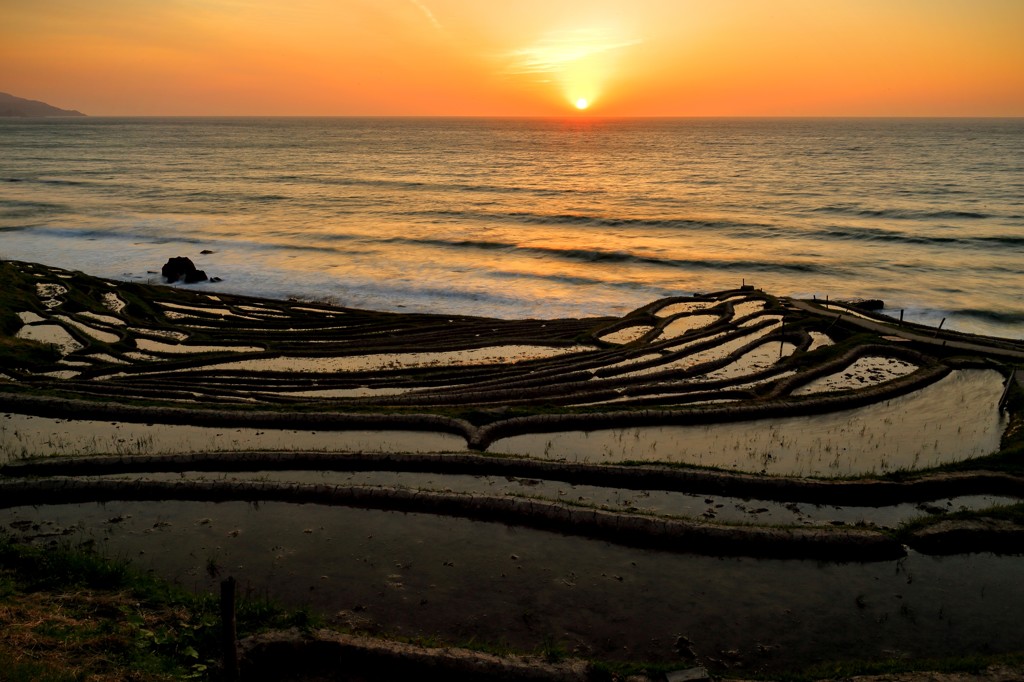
70,613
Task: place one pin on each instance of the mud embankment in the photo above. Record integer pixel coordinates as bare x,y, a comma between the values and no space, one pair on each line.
866,492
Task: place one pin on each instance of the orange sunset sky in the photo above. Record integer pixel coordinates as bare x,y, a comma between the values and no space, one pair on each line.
517,57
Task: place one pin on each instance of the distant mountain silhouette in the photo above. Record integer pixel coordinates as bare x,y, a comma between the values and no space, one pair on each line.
16,106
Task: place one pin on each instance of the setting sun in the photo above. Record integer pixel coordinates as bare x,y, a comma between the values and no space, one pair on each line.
582,103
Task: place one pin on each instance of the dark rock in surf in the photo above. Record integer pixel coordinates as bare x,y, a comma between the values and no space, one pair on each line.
182,268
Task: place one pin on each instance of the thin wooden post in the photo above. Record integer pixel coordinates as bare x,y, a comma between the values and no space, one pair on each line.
229,635
901,314
1006,389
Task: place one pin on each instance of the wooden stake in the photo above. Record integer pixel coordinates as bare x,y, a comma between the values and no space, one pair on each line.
1006,389
229,635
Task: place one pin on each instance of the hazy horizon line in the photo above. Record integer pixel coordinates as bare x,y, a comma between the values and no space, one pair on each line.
570,116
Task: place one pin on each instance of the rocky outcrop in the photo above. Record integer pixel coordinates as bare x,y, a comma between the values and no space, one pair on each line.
182,268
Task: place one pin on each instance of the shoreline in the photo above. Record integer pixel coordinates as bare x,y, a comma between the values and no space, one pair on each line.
235,262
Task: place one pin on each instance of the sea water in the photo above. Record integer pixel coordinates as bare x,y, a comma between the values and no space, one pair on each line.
534,217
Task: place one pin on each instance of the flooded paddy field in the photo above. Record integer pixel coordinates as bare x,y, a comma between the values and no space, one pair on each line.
722,508
23,435
954,419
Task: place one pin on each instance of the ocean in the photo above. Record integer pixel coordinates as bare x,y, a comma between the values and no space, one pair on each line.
538,218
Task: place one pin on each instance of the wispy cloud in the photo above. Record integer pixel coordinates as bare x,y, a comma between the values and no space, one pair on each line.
428,14
558,50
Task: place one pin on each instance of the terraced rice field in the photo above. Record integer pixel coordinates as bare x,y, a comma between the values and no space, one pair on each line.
608,483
